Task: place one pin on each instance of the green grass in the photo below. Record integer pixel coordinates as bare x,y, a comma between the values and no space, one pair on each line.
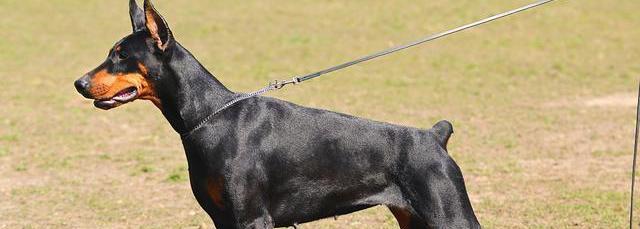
178,175
535,154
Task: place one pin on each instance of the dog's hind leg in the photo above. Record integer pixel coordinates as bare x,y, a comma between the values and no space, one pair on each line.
407,220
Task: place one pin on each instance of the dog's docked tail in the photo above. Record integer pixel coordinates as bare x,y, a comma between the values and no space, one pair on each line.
443,131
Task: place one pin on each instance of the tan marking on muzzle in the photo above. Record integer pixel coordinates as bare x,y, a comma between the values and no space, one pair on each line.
106,86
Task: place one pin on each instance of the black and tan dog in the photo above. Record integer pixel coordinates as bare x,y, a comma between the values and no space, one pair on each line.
265,162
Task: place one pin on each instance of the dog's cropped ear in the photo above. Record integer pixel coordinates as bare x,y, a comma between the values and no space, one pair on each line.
137,16
157,26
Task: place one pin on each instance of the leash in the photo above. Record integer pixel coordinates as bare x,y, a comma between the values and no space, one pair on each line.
276,85
635,156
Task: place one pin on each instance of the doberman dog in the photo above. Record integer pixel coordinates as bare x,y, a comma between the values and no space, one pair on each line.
264,162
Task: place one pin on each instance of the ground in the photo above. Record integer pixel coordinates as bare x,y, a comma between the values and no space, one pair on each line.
542,103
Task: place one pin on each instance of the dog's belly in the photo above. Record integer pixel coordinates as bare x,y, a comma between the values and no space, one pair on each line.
334,180
295,218
305,201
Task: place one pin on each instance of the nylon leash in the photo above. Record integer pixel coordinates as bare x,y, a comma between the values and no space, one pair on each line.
275,85
635,156
427,39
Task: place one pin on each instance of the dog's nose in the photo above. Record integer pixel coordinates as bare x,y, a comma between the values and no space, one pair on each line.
82,85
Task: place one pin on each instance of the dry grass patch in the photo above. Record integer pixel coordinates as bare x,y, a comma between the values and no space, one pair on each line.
542,103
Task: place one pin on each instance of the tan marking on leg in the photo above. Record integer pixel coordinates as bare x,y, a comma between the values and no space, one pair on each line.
402,216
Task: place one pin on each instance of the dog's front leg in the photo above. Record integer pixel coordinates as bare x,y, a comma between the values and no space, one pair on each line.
248,220
264,222
247,196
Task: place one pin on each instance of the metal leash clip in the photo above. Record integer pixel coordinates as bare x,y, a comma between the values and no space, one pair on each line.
280,84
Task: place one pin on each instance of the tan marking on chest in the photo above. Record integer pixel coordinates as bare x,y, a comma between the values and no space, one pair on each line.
215,188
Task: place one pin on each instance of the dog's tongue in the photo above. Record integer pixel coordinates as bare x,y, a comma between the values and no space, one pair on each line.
105,104
126,95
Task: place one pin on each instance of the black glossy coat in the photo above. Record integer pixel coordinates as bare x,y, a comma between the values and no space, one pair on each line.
265,162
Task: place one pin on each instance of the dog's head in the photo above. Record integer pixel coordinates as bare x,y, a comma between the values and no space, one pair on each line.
134,64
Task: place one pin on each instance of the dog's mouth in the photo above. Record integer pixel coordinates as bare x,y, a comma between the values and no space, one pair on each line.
122,97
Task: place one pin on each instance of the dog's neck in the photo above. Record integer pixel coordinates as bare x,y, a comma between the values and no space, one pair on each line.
188,92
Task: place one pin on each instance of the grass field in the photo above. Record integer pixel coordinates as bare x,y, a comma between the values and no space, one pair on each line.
542,103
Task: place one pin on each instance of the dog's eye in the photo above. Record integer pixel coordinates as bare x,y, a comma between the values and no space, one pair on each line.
123,55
